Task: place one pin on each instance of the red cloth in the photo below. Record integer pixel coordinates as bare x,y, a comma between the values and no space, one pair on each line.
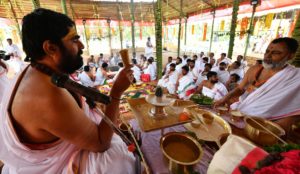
189,92
145,78
251,159
289,165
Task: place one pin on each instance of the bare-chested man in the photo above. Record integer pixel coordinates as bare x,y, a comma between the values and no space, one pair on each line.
46,129
270,90
212,87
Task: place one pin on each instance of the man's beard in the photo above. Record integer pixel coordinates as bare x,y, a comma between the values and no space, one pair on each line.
69,64
222,69
274,65
214,81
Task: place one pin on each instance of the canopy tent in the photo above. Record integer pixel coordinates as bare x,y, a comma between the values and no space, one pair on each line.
98,9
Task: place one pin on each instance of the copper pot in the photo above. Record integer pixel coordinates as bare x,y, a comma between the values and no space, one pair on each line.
258,134
181,151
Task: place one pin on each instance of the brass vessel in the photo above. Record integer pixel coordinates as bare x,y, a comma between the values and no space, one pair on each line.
258,134
181,151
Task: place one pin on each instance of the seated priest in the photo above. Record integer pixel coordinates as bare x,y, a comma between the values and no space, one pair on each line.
270,90
59,133
203,74
86,77
222,72
236,68
185,85
101,74
150,69
212,87
121,67
232,83
167,67
169,80
136,71
194,72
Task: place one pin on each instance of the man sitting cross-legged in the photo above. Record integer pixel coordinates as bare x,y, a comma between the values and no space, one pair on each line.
185,85
169,80
212,87
271,91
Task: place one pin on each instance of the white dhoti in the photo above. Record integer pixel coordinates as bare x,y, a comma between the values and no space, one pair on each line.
148,52
61,156
186,84
216,93
169,82
85,79
277,98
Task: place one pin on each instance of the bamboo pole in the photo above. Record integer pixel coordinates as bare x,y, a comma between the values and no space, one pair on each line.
132,28
235,10
15,18
64,7
179,30
36,4
158,36
250,31
212,29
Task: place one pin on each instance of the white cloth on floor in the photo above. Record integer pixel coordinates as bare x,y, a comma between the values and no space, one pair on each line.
277,98
216,93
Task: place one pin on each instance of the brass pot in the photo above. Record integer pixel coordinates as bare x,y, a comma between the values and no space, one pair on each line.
258,134
181,151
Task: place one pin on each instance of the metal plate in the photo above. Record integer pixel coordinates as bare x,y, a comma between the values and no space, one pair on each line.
208,132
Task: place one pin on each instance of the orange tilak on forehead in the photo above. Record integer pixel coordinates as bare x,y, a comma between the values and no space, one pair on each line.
71,34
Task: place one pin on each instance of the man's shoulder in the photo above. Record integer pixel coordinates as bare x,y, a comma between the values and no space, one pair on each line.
254,69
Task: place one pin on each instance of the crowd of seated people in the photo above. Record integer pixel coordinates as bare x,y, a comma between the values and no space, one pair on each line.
183,76
202,74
